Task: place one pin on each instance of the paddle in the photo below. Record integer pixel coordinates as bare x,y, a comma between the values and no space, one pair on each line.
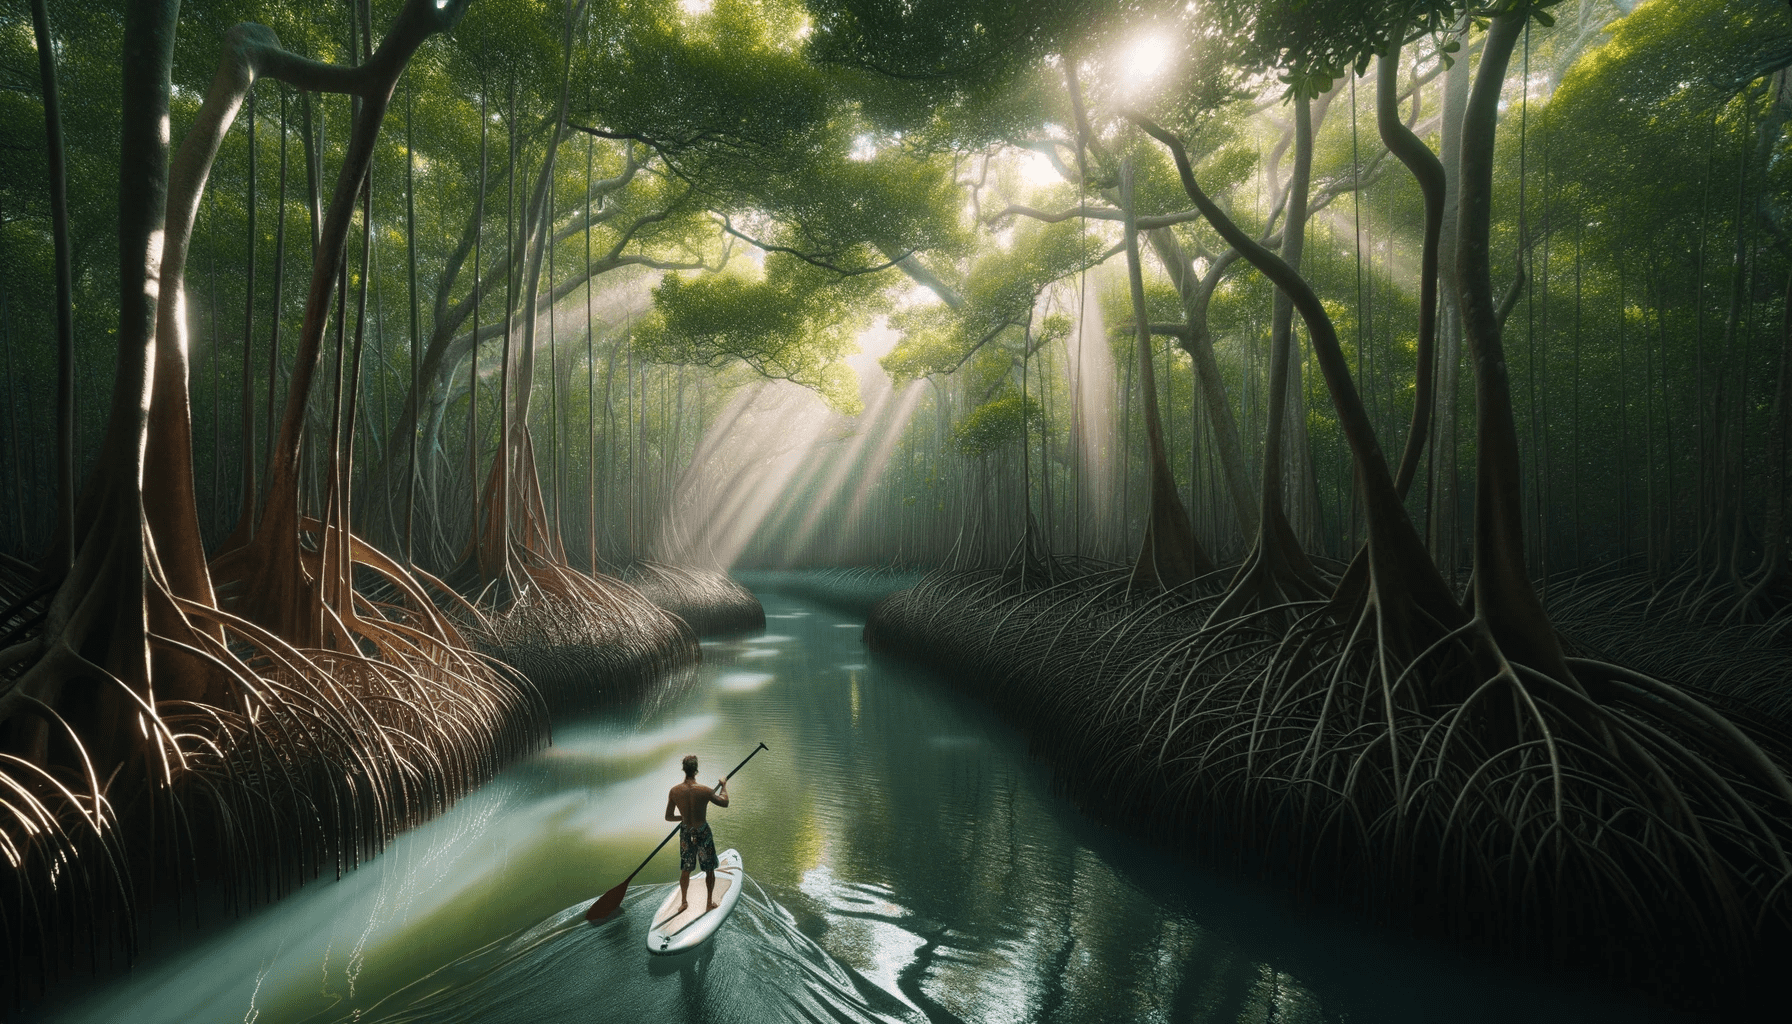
609,901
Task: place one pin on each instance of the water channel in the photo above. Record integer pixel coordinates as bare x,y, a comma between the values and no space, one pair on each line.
907,861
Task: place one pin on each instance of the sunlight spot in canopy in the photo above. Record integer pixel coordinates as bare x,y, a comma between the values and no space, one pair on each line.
1143,59
696,7
863,148
1038,172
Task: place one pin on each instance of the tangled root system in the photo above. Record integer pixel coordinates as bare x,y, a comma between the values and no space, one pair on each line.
707,599
312,760
1614,822
1745,667
584,642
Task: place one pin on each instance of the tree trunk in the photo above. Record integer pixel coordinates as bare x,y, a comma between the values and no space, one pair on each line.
1198,343
1170,557
1281,460
410,259
252,495
63,549
99,613
1428,171
278,593
473,533
248,400
1277,569
1446,499
1502,589
1401,573
1768,594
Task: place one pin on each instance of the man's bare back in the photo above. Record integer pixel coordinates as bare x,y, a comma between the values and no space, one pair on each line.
688,802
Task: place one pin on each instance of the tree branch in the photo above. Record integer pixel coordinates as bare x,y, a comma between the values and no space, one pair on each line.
812,260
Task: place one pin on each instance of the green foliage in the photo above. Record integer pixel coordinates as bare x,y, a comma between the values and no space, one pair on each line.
999,295
729,99
795,323
731,78
1311,43
1643,102
1650,128
950,52
996,423
1664,51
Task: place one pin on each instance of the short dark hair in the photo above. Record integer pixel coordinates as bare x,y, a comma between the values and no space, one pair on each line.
690,764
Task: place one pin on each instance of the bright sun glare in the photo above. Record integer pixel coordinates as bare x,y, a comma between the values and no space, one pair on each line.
1144,59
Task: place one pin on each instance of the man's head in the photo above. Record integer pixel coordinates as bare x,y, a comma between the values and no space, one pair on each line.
690,766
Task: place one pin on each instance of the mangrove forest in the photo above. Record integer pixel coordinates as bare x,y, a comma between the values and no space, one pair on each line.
1193,510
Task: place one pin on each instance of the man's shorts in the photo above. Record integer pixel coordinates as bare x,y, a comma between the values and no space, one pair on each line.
696,849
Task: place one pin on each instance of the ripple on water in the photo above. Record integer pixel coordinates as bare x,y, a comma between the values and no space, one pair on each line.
759,967
863,929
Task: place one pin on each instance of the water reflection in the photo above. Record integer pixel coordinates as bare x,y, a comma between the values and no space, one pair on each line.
906,859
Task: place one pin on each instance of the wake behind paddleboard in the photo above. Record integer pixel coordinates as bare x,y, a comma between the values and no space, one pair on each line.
675,932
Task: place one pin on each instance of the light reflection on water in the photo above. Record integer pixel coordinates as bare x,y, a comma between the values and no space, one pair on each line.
907,861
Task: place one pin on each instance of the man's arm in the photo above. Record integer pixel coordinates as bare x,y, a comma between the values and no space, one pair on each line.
672,813
719,795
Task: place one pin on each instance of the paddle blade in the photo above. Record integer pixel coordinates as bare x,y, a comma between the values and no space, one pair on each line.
607,903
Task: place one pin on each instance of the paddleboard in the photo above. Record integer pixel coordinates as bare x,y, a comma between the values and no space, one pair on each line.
673,931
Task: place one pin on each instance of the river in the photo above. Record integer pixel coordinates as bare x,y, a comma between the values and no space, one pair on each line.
906,861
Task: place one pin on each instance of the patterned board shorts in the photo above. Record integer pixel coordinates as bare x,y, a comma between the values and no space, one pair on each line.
696,849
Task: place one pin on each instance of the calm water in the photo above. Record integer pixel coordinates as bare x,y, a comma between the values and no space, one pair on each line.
906,860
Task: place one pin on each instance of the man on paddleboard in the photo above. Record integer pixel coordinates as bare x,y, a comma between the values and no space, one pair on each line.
689,802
